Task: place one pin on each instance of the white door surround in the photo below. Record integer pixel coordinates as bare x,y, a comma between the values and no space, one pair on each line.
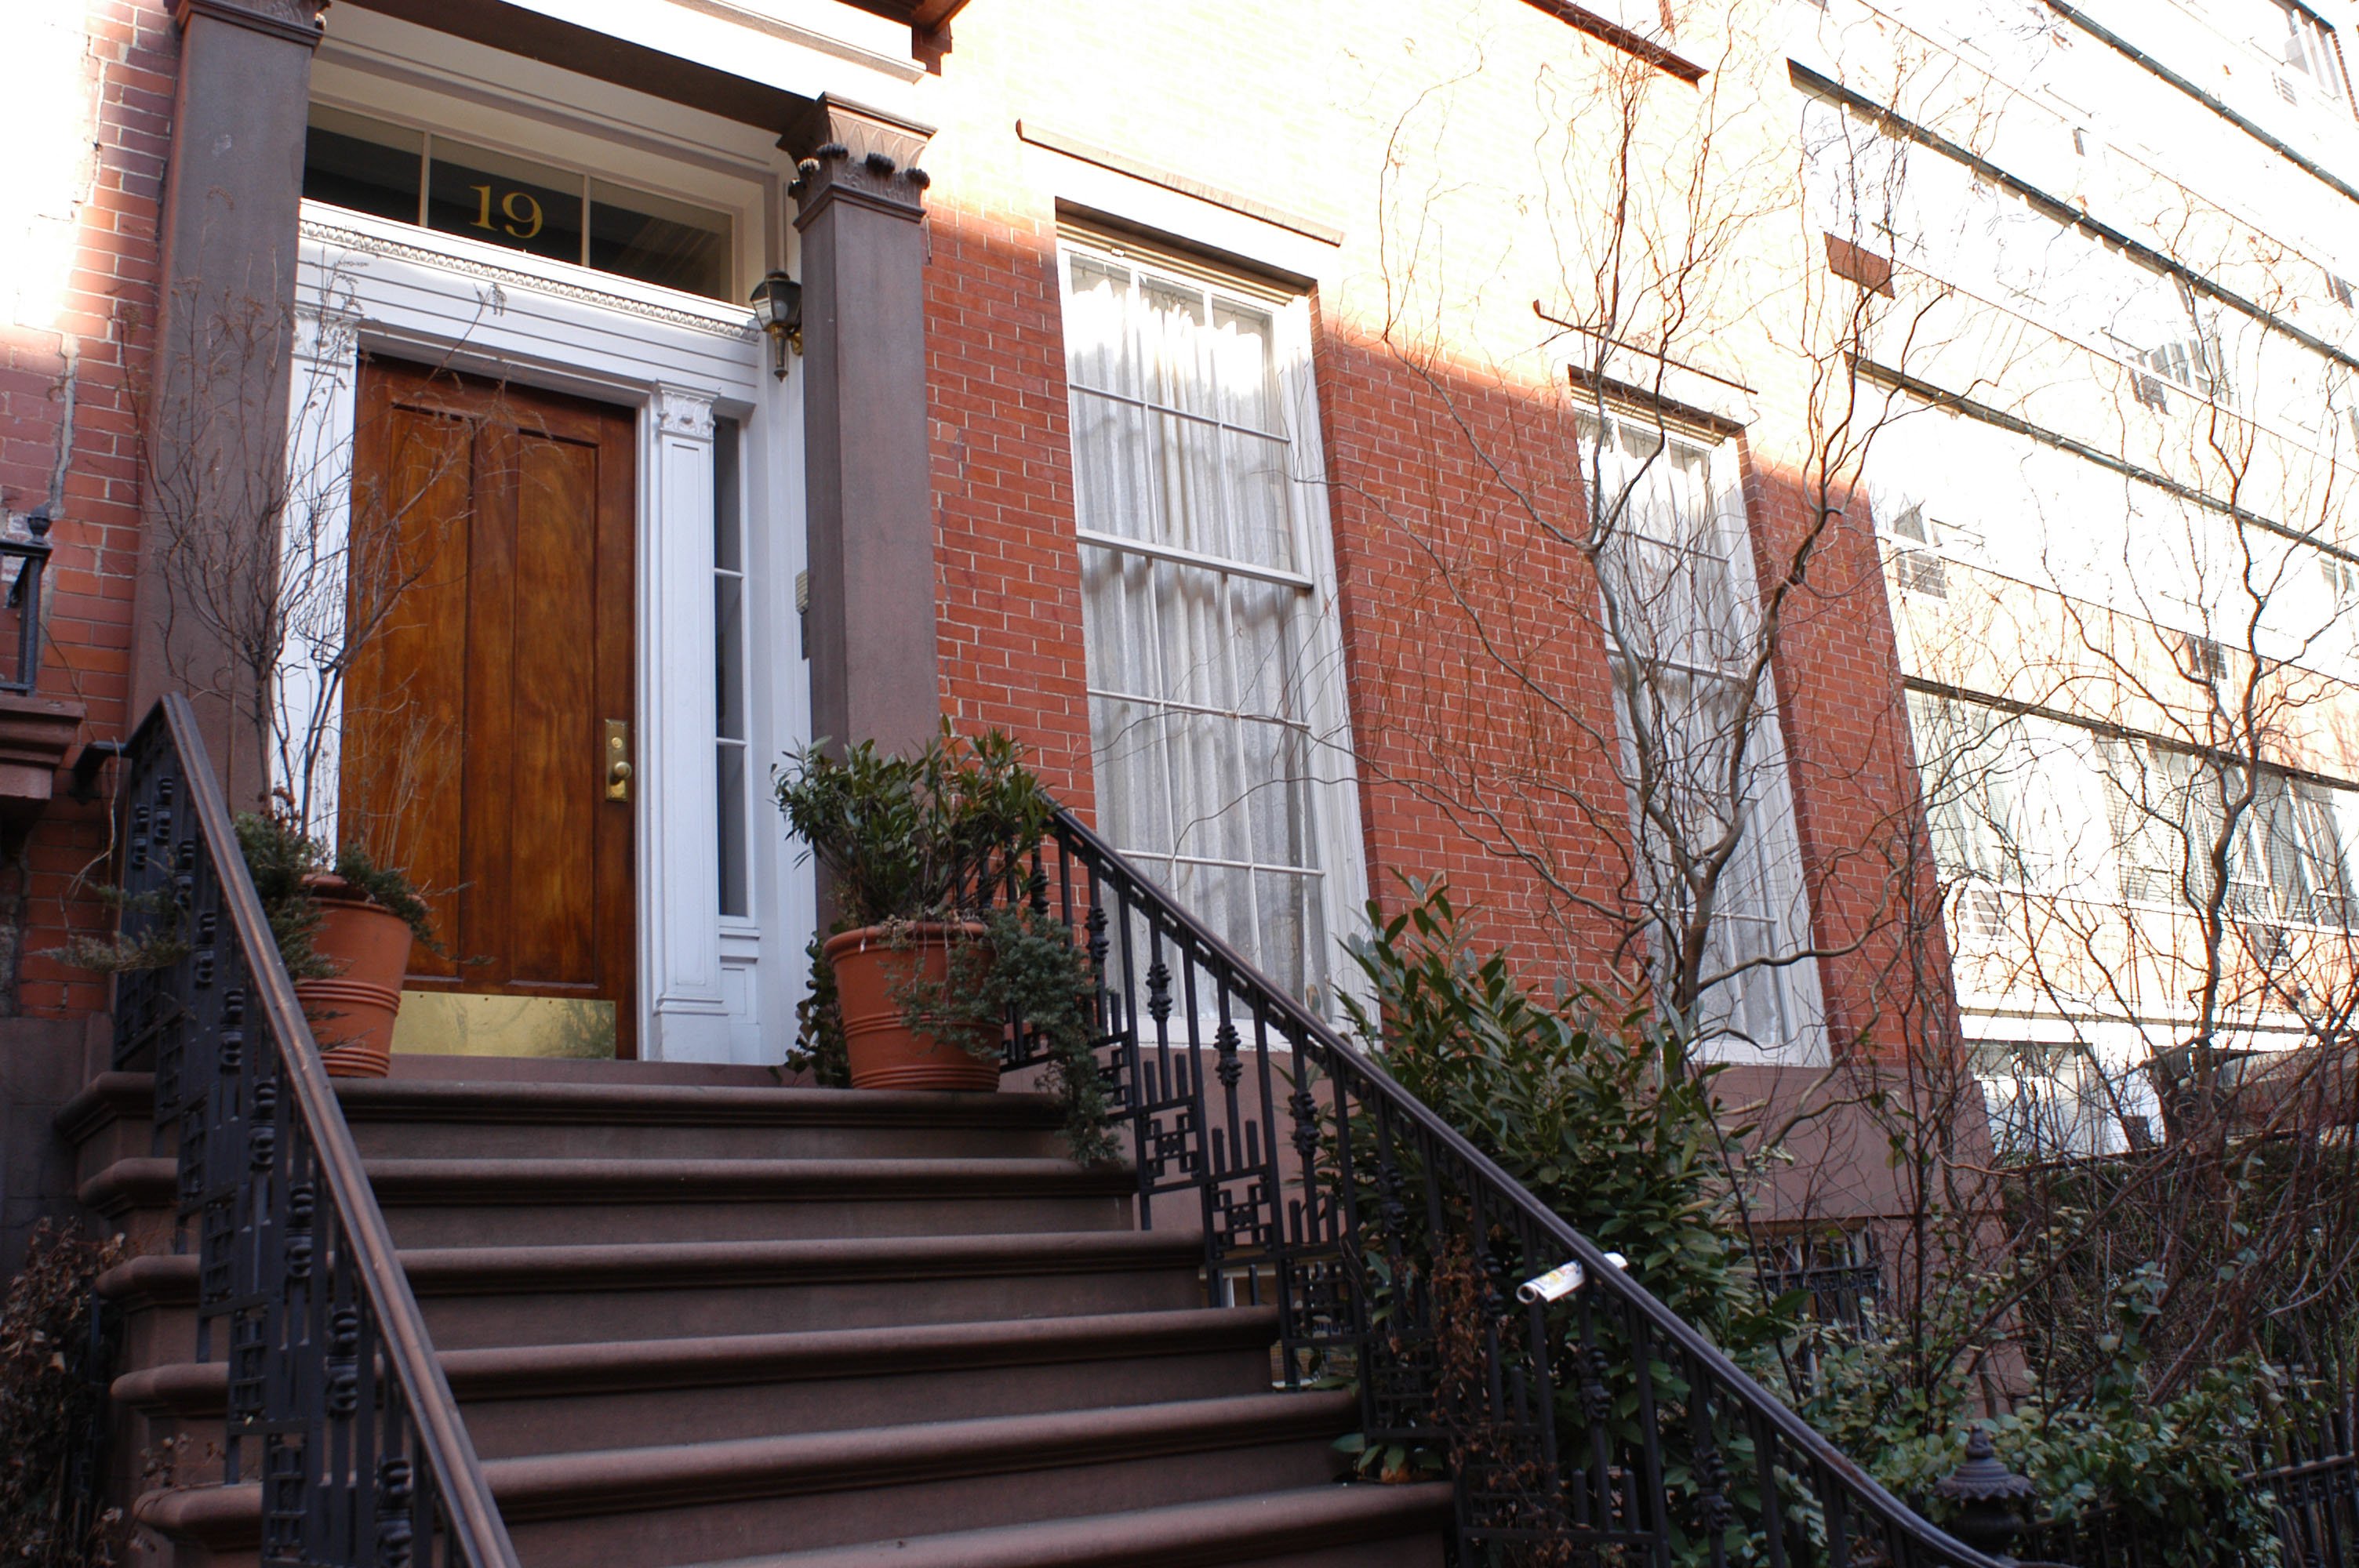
707,984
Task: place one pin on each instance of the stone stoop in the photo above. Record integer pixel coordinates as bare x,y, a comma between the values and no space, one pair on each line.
695,1319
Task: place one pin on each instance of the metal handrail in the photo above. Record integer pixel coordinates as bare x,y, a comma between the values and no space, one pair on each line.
314,1291
1194,1135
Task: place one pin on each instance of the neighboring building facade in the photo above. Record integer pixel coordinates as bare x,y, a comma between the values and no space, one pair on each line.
2114,506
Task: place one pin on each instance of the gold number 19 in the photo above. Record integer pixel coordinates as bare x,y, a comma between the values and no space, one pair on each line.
523,213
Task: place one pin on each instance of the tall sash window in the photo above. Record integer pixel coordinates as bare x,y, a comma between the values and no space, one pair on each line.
1216,724
1703,753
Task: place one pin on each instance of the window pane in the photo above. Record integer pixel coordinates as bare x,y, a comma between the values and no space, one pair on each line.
1262,526
1114,469
729,654
731,771
505,199
657,240
364,164
1177,369
1188,486
1245,368
1098,349
728,525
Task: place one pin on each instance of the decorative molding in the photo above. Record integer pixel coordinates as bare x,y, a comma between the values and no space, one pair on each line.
297,21
852,153
1139,169
327,335
682,411
507,277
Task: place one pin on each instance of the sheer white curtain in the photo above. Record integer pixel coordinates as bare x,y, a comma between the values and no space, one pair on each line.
1197,603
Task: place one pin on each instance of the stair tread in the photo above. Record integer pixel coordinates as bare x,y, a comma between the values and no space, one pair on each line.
662,1265
403,1179
1168,1537
494,1100
508,1371
501,1100
620,1481
676,1475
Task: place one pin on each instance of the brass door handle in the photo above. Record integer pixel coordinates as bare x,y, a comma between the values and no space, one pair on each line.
618,759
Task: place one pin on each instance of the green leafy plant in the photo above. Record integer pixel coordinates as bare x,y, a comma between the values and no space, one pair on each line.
284,863
1023,968
819,1048
912,838
2166,1471
1605,1120
51,1409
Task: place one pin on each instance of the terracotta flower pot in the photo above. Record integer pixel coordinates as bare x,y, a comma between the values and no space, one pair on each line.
352,1012
872,965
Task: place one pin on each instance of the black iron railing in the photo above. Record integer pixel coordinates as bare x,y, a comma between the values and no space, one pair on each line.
1581,1420
30,558
337,1406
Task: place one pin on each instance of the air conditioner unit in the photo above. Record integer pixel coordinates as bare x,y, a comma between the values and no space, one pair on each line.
1921,571
1979,917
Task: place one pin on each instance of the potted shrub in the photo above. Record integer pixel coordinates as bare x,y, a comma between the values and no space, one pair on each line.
344,926
920,980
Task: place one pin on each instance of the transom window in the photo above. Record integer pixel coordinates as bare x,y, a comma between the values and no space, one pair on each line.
425,177
1204,585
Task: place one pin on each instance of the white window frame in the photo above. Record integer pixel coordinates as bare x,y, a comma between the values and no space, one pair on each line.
1333,792
1772,828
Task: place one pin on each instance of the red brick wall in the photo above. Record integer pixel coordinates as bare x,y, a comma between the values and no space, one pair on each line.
88,351
1009,615
1475,669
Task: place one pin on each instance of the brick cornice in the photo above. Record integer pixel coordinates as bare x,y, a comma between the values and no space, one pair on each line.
297,21
851,153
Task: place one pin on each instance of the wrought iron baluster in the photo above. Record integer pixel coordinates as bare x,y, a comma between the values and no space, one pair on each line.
1372,1166
299,1286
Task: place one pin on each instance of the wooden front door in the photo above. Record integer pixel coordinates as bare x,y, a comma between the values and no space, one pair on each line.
489,696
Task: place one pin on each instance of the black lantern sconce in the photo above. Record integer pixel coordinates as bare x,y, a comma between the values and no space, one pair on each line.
779,300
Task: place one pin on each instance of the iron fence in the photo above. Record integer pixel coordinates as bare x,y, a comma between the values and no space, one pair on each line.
1580,1420
336,1405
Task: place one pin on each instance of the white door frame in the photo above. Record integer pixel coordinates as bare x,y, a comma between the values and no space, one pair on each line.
706,985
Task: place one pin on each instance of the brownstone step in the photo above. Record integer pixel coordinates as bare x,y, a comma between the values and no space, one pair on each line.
478,1296
1312,1527
618,1117
444,1202
644,1508
556,1399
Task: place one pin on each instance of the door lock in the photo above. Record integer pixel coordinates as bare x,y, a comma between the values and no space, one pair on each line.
618,759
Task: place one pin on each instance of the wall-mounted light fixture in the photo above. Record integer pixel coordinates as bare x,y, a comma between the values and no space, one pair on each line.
778,301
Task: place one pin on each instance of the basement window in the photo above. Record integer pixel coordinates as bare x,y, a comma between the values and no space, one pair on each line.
502,199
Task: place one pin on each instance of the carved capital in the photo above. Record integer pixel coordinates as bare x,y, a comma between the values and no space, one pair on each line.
680,412
327,336
297,21
845,151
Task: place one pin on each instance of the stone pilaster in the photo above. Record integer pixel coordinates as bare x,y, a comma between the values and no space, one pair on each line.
860,199
215,427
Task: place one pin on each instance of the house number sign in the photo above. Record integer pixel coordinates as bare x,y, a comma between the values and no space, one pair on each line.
492,196
521,210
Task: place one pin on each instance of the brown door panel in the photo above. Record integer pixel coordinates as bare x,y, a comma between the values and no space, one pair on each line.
500,518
